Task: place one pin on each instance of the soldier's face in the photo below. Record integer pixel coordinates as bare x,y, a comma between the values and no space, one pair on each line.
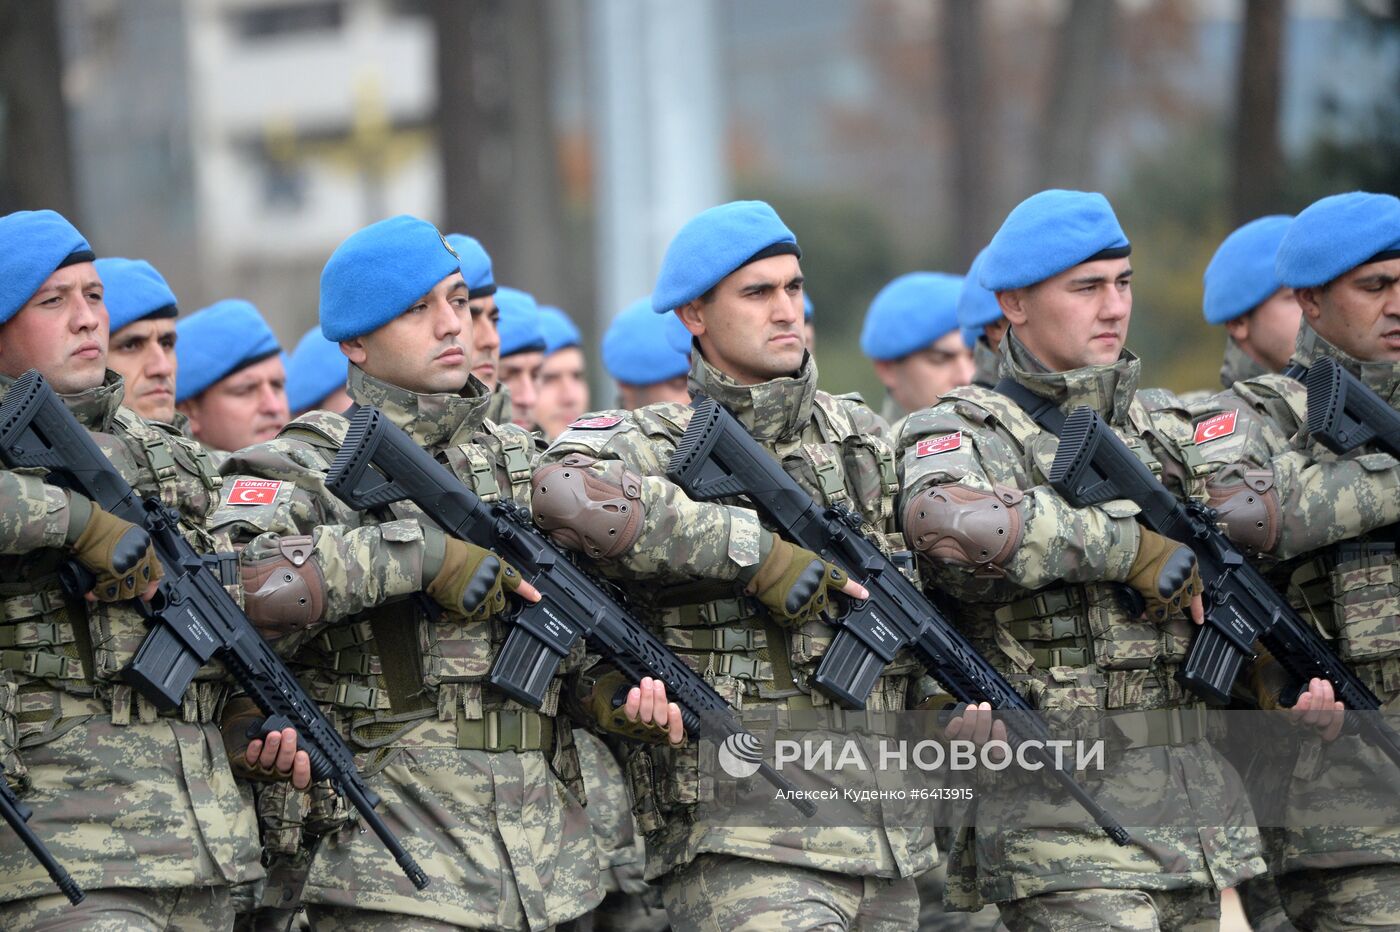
486,340
921,378
1359,312
561,392
61,331
520,372
1269,332
242,409
676,391
143,354
1078,318
426,349
752,329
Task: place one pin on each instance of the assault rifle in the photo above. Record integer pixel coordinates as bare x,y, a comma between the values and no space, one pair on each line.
1092,465
192,618
717,458
17,814
378,464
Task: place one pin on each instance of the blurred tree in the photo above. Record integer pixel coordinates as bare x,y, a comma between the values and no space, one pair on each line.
37,169
1256,160
1083,50
966,101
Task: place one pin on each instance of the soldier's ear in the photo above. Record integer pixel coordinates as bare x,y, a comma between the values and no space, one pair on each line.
692,315
1308,301
1013,306
354,350
1238,328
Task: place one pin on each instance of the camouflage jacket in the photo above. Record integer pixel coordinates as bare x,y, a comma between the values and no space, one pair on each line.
1053,621
406,683
682,574
1238,365
156,805
986,363
498,408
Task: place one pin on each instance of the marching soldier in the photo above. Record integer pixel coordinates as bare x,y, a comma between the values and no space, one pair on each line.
521,353
562,389
739,602
911,334
982,325
1243,292
640,354
486,317
142,311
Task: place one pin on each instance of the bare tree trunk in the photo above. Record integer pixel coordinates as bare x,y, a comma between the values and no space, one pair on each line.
1256,160
968,117
1082,51
37,170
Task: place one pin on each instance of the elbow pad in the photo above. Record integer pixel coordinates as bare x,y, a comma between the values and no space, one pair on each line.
595,513
960,524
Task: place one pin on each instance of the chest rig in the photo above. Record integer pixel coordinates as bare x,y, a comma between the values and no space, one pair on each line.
66,654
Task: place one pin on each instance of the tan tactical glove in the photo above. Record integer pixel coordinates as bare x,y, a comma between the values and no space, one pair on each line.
473,581
118,552
792,583
1165,573
613,719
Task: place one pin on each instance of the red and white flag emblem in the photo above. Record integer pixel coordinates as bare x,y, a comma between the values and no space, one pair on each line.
253,492
1213,428
938,444
596,423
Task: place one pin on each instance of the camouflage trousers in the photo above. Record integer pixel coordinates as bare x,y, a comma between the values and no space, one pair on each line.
934,916
1195,909
188,909
724,893
1263,905
1365,897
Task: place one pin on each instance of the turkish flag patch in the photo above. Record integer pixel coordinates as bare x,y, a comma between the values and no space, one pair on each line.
938,444
596,423
1213,428
253,492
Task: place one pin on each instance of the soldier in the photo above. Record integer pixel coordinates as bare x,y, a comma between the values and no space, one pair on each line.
911,334
142,311
138,804
486,353
982,325
482,791
640,353
1035,579
562,389
316,374
522,352
701,571
1243,292
234,389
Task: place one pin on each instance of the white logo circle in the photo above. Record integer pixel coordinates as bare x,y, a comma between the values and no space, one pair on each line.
739,755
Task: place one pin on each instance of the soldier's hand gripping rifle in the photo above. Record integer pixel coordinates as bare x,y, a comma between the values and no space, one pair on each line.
1092,465
17,814
1344,412
378,464
717,458
192,617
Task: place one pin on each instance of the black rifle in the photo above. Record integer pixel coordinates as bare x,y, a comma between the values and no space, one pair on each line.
378,464
717,458
192,617
1344,412
17,814
1092,465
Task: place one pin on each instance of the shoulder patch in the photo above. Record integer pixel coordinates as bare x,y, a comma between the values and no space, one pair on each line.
943,444
1213,428
253,492
604,422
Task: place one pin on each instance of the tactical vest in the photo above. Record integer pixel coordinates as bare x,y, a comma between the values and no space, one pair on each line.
1081,645
66,654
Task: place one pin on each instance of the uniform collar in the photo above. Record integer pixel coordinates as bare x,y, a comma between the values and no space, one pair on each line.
1109,389
1238,366
94,408
1381,377
433,421
985,363
772,411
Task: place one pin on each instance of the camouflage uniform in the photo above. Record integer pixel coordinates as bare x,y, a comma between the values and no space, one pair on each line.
471,781
498,407
985,363
1072,643
690,555
1238,365
1342,572
139,805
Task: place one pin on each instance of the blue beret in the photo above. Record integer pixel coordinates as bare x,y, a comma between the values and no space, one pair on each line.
1048,233
213,343
1335,235
713,244
558,329
1241,274
33,245
640,347
132,289
520,327
909,313
377,274
316,368
476,264
977,305
806,306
